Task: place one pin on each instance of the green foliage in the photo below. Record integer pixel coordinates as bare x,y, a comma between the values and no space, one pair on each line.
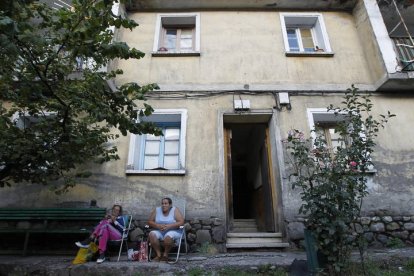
271,271
233,272
75,112
262,270
395,243
208,248
197,272
333,181
388,267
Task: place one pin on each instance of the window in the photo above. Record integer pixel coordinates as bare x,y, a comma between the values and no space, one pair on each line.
161,152
25,121
324,123
150,154
177,34
305,33
333,139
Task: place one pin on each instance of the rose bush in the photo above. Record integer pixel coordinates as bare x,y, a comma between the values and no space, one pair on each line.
333,180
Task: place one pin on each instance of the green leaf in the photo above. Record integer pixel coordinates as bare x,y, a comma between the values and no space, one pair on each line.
86,112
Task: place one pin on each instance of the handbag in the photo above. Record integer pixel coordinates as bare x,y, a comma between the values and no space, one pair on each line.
86,254
140,255
143,252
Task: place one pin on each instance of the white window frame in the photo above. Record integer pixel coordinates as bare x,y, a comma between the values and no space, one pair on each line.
159,30
330,115
135,143
322,112
19,117
318,31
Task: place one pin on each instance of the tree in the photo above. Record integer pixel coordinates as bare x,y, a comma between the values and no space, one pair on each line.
333,181
52,118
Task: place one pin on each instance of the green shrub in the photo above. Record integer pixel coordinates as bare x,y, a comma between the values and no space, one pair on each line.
333,180
395,243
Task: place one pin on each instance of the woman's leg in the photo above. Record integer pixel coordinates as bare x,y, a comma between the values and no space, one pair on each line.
154,237
96,232
170,238
98,229
107,232
168,245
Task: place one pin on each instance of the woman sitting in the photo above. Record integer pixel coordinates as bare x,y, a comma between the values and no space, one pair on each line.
110,228
166,219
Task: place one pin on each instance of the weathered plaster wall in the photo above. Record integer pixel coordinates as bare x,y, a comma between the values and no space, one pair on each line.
391,188
202,185
375,41
239,48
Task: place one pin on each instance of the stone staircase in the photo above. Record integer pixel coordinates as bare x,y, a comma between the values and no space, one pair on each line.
246,235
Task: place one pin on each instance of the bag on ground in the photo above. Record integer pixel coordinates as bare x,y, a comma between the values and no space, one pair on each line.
85,254
140,255
143,252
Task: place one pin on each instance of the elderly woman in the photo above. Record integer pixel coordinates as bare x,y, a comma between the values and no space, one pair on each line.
110,228
166,221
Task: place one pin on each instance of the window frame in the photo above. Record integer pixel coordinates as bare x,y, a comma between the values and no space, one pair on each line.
160,31
317,29
311,112
162,140
32,119
326,127
136,150
179,31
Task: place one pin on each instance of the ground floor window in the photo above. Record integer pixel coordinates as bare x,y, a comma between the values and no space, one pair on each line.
160,154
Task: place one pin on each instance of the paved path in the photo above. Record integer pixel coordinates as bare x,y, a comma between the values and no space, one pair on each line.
250,261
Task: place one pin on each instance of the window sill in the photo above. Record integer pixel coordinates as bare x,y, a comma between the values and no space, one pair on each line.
155,172
171,54
309,54
371,171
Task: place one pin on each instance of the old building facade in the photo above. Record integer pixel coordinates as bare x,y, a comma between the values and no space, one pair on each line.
234,79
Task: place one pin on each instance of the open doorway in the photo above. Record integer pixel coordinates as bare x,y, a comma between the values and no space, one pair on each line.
249,184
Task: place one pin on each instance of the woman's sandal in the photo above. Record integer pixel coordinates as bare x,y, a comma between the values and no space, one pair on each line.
157,259
164,259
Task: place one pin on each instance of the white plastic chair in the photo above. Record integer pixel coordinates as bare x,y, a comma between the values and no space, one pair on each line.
125,233
180,204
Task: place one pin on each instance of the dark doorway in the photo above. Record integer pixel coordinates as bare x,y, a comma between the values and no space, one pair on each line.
249,183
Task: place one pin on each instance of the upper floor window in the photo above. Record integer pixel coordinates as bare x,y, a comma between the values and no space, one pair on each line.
177,34
305,33
26,121
150,154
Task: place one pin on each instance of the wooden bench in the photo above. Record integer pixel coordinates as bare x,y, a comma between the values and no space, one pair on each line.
49,220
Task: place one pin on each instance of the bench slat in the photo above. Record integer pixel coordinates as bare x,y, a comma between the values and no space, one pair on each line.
62,231
50,215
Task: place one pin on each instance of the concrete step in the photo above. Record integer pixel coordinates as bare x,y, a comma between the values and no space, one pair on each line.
244,221
261,245
244,224
245,230
253,240
254,235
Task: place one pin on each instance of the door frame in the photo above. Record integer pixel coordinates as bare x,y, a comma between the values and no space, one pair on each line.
224,167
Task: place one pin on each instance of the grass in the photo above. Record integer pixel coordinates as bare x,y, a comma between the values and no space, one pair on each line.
208,248
390,267
267,270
